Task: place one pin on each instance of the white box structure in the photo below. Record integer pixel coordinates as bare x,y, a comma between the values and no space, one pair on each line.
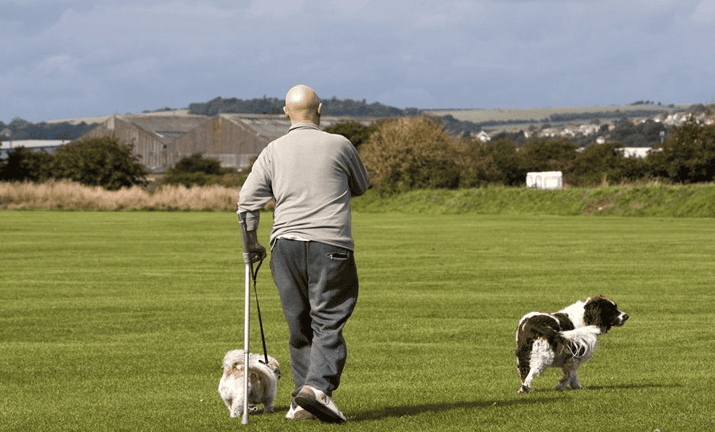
545,180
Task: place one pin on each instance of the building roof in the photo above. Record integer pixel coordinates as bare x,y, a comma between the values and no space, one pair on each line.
166,128
275,126
32,144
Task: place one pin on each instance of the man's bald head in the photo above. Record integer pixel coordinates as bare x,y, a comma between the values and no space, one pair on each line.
303,105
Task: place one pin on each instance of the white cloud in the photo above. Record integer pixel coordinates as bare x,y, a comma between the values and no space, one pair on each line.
705,12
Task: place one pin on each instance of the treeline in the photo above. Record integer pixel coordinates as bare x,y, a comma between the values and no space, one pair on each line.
272,105
102,161
419,153
19,129
403,154
106,162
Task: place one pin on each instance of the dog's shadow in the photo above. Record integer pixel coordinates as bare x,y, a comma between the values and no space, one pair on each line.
403,411
630,387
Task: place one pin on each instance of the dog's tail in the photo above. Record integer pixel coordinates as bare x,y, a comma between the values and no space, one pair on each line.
580,342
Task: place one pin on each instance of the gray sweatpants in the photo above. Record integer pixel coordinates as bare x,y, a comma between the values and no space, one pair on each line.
318,287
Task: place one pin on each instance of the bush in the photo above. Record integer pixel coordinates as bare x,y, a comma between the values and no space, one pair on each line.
687,155
546,155
354,131
195,170
102,161
603,162
196,163
26,165
494,163
411,153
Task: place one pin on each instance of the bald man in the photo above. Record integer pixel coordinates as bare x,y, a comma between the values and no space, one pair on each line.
312,175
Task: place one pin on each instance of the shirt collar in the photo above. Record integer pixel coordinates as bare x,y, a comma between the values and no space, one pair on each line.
295,126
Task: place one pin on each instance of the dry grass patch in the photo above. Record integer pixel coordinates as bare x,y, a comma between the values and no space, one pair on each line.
64,195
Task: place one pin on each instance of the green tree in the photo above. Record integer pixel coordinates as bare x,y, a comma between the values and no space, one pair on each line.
356,132
102,161
195,170
496,162
26,165
687,155
194,164
411,153
597,163
547,155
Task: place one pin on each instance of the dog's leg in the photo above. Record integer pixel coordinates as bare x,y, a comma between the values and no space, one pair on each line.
565,380
569,379
237,408
542,356
573,381
522,366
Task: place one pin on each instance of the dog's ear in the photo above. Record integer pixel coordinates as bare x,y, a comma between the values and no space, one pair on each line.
591,314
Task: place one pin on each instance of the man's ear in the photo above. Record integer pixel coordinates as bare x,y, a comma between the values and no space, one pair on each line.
320,108
285,112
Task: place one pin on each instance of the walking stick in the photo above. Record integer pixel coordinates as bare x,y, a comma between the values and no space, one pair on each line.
249,274
246,331
248,271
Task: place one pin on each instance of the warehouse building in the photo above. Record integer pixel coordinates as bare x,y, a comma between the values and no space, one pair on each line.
235,140
151,135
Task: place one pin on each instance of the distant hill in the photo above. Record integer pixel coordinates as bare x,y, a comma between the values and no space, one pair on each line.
459,121
266,105
555,114
19,129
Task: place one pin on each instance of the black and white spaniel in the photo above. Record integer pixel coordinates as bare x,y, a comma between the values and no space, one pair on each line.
563,339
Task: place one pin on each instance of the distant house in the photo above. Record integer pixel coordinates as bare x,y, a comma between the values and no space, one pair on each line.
635,152
483,136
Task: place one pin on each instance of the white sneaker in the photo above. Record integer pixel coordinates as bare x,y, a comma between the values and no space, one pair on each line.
319,404
295,412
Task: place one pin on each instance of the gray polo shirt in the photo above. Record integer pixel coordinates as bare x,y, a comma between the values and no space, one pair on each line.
312,175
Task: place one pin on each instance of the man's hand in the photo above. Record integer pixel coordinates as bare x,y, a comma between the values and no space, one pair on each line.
255,250
251,246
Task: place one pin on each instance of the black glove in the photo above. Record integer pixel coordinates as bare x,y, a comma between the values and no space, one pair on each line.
251,246
255,250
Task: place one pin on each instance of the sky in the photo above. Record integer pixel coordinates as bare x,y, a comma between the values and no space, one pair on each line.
78,58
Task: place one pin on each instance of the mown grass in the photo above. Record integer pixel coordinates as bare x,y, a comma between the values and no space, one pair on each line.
120,320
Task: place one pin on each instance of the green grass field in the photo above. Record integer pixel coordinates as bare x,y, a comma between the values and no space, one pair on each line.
119,321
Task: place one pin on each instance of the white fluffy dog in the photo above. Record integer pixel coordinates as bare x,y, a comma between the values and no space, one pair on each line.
262,382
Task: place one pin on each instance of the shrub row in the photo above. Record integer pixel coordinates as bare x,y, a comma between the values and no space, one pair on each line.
402,154
418,153
102,161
